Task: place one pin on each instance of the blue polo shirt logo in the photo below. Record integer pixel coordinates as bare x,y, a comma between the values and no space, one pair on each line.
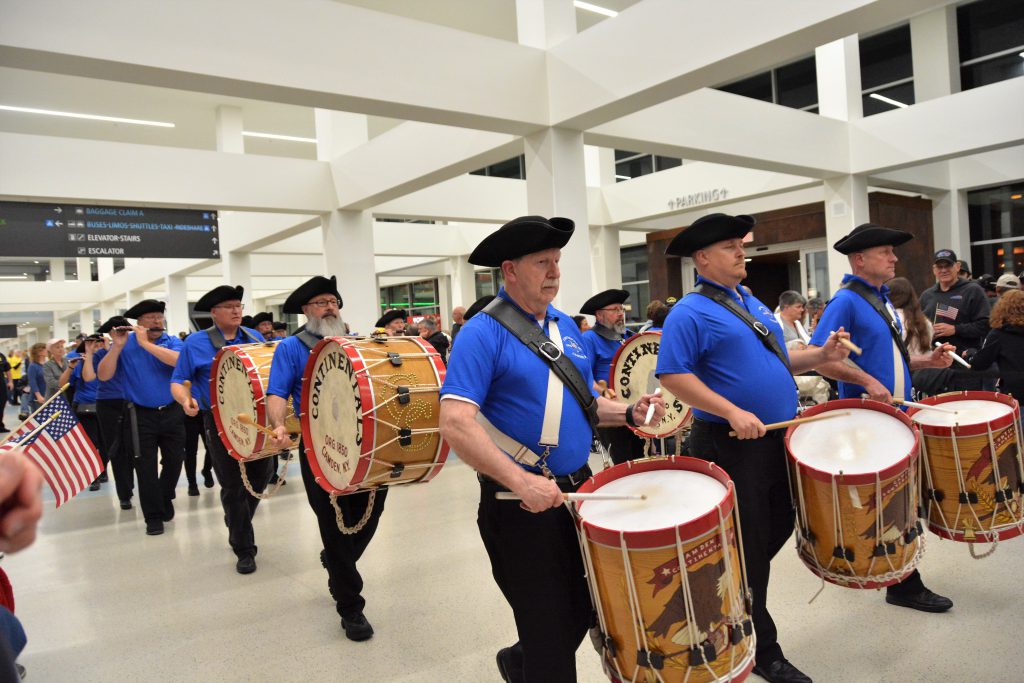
570,344
764,310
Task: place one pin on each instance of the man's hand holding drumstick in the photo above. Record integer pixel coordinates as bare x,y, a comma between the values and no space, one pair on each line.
183,395
277,409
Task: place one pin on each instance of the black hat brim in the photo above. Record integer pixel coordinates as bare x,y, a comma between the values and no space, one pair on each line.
143,307
263,317
217,296
522,236
280,326
478,306
708,230
111,323
394,314
600,300
869,235
307,290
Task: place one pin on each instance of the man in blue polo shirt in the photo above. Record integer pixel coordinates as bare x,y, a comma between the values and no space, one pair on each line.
110,412
883,369
224,304
84,405
147,357
318,299
738,376
495,407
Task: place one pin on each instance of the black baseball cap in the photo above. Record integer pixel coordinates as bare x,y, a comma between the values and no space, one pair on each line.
945,255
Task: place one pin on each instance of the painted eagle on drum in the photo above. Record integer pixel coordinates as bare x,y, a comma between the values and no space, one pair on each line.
707,586
894,517
1008,470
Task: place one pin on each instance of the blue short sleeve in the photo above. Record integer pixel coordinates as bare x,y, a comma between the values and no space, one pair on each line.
838,313
682,343
472,364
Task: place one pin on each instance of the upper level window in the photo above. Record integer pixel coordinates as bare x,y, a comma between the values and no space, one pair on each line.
886,71
509,168
990,34
792,85
635,164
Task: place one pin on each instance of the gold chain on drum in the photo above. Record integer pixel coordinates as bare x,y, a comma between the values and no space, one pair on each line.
348,531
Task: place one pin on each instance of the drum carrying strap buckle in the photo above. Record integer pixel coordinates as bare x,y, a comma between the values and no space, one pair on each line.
550,350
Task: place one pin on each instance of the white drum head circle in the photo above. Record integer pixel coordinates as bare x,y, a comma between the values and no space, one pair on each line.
333,409
633,375
863,442
674,497
968,412
234,396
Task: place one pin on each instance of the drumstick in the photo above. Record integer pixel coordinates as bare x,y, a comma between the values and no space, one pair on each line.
650,408
508,495
247,420
849,344
801,420
923,406
188,389
957,358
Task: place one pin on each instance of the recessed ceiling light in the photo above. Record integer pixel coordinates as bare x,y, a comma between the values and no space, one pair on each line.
274,136
91,117
595,9
888,100
623,177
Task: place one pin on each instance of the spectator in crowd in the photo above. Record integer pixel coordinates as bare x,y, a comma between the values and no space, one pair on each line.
459,319
1007,282
917,330
655,305
55,366
36,377
1004,344
814,308
428,330
958,308
792,309
581,322
965,270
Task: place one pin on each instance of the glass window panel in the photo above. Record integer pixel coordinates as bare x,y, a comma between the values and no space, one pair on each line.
991,71
485,283
885,58
634,264
984,28
817,273
635,168
900,93
639,297
621,154
797,84
510,168
424,295
758,87
663,163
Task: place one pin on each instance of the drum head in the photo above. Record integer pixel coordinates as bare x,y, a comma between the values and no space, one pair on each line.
232,377
863,442
333,404
968,412
632,376
674,497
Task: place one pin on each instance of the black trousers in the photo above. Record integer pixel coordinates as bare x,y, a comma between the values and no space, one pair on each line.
110,415
758,468
91,424
622,444
194,431
342,551
239,505
163,430
536,562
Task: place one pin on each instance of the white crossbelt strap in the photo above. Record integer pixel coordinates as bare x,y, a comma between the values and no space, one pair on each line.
899,386
552,417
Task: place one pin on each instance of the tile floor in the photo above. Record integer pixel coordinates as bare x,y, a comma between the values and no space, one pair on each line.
101,601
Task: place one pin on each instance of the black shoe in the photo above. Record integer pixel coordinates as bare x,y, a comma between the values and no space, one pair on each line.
357,628
168,511
95,486
3,429
925,601
126,504
193,489
22,417
273,480
208,479
103,478
510,664
154,528
246,564
781,671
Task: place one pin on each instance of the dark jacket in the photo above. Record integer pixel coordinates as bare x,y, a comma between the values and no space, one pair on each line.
972,309
440,343
1005,347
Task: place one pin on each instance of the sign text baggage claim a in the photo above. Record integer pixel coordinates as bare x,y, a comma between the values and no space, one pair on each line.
698,198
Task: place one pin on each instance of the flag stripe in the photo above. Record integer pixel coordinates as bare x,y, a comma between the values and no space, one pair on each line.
57,466
53,479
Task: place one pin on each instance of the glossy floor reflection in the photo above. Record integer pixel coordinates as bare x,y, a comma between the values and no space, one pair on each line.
101,601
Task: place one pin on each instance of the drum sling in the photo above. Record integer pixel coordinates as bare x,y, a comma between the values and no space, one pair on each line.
218,341
899,349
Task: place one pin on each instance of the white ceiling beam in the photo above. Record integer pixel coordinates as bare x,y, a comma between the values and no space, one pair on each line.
312,53
464,198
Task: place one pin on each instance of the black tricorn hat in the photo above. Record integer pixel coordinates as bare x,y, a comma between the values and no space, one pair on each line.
143,307
280,326
478,306
867,235
602,299
218,295
707,230
112,322
522,236
262,317
393,314
247,321
315,285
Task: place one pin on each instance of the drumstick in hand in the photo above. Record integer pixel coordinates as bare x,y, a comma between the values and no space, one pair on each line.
247,420
650,408
508,495
849,344
955,357
801,420
188,389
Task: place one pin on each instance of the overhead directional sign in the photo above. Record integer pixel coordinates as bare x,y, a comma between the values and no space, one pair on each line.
73,230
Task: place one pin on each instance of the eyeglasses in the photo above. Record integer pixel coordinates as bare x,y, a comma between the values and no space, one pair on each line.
325,303
613,309
231,307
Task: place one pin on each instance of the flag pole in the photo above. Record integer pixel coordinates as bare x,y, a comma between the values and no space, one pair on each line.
41,427
43,405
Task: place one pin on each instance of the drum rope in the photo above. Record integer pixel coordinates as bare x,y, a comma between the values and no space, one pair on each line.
803,545
384,476
887,577
931,487
268,494
687,591
647,448
595,593
340,517
735,606
1020,445
639,632
412,390
997,478
962,482
739,543
982,556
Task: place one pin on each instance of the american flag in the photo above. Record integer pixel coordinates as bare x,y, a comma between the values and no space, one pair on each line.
61,449
946,311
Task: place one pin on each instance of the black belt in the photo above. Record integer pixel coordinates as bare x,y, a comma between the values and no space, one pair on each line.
158,408
566,480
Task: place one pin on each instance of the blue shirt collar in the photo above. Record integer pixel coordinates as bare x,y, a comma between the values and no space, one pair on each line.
743,291
883,291
549,314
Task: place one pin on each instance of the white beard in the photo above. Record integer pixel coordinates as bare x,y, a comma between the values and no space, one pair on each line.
326,327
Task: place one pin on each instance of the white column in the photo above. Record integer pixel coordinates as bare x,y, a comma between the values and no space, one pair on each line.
176,313
545,23
229,130
87,321
60,326
607,263
846,207
444,300
338,132
83,268
348,254
104,268
238,271
132,297
463,278
108,309
950,224
606,161
556,186
56,270
838,74
935,52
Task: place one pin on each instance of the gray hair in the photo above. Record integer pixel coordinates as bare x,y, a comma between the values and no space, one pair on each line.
791,298
430,323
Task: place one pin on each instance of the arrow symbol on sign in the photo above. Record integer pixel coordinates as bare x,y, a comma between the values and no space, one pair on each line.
215,240
58,209
59,224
